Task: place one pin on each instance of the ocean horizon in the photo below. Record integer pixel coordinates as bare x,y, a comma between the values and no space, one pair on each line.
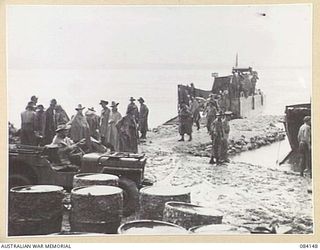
282,86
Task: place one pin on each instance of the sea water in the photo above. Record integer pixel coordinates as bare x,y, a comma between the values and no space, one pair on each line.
282,86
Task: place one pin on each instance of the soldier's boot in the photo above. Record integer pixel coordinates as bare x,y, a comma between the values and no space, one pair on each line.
211,160
218,161
143,135
302,168
182,138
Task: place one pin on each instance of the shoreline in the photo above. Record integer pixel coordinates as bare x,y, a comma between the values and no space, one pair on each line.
245,134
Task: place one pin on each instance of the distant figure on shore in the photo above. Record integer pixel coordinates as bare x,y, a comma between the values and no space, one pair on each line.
112,135
217,135
50,125
219,101
28,125
224,101
104,119
192,92
61,116
254,82
183,96
40,124
34,99
143,118
210,113
225,140
79,127
195,110
94,123
127,130
185,122
213,98
135,109
304,139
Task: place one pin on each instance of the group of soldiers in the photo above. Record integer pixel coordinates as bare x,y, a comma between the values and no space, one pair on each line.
242,84
41,127
217,124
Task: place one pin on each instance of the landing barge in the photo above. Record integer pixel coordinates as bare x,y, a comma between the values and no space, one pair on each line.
294,115
294,120
236,92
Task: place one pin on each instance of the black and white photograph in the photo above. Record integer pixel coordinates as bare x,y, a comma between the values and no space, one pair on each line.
159,120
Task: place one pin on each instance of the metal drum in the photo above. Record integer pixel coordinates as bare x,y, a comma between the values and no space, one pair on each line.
96,209
189,215
89,179
150,227
35,210
153,199
222,229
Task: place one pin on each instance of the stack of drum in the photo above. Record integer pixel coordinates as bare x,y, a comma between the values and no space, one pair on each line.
96,203
154,198
96,209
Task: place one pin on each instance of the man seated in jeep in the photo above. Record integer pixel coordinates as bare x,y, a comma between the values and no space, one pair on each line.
61,139
64,145
70,151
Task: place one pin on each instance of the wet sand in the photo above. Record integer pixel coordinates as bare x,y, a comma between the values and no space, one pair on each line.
246,194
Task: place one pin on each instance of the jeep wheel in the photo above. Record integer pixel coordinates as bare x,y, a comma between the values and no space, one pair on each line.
130,196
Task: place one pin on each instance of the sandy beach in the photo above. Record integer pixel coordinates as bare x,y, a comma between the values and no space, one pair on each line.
247,194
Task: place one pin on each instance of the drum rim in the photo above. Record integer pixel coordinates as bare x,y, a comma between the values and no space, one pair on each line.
163,223
117,190
181,191
90,174
17,189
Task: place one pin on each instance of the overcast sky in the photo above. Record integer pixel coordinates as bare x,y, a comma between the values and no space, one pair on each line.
102,37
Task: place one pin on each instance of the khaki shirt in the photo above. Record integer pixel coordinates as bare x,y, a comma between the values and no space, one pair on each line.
28,119
304,134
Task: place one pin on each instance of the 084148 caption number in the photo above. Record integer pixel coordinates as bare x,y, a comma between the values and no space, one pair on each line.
308,245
